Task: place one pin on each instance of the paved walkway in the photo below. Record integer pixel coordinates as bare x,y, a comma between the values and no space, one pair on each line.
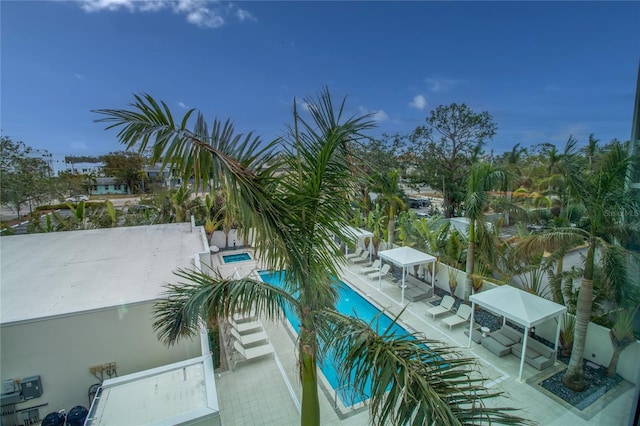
267,391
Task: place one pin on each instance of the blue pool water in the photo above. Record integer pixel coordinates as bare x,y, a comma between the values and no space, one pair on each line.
349,303
230,258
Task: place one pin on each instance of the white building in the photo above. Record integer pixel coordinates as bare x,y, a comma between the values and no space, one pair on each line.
75,303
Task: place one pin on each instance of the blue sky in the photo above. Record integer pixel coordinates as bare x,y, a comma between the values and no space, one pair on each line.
543,70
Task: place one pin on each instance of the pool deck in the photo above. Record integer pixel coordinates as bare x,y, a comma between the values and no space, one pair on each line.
267,390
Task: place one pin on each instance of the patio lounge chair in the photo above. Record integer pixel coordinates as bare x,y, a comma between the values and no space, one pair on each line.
355,254
373,268
463,314
445,306
383,272
364,257
249,353
248,339
245,327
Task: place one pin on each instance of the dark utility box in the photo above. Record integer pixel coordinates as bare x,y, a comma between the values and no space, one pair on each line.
31,387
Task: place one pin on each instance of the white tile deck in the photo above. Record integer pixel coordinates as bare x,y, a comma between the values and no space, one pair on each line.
256,393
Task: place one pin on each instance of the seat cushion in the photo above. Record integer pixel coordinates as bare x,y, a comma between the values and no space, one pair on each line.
502,339
494,346
511,334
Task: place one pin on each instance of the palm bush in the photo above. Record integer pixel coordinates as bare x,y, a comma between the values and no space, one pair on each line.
603,197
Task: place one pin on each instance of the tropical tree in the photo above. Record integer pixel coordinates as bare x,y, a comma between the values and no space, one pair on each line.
25,178
446,147
387,186
621,335
375,223
482,178
294,216
126,167
603,198
591,150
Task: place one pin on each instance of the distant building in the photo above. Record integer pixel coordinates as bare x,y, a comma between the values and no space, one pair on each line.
84,168
109,185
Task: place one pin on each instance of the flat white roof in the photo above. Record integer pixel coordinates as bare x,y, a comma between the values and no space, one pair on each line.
173,394
60,273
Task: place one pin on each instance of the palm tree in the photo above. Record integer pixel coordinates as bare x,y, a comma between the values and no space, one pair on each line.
603,198
591,149
375,222
294,216
482,178
387,185
621,335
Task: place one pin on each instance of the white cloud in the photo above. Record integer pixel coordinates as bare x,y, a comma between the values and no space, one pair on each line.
378,115
244,15
110,5
419,102
203,17
78,76
182,104
437,84
203,13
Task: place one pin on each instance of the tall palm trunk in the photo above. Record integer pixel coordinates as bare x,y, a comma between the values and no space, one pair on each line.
556,282
574,377
391,227
468,282
308,347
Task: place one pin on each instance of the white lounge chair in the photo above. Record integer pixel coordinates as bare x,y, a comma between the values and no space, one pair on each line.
381,273
249,353
245,327
249,338
355,254
364,257
373,268
445,306
462,315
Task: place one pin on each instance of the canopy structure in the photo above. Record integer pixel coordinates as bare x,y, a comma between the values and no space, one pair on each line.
357,234
407,256
521,307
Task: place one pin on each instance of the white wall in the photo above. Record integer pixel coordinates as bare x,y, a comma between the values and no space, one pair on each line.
442,279
218,238
62,349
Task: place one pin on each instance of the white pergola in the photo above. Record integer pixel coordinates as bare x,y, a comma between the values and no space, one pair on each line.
521,307
357,234
407,256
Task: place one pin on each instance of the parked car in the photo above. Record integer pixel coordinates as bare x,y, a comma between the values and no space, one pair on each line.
77,198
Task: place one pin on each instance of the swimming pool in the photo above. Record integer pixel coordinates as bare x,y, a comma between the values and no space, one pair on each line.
238,257
349,303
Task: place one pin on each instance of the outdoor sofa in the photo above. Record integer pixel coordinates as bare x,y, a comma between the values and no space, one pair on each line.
538,355
501,341
416,290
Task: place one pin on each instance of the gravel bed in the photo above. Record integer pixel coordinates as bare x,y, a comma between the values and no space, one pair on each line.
596,379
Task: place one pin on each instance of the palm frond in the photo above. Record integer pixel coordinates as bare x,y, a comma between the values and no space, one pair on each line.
203,297
410,379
